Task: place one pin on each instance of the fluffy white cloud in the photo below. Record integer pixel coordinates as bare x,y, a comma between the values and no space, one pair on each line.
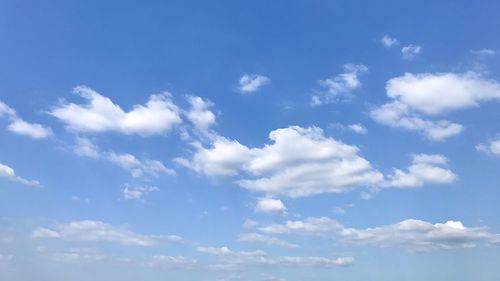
137,192
199,114
270,205
100,114
339,86
300,162
492,146
234,260
21,127
411,51
415,235
249,83
137,168
415,95
259,238
88,230
388,41
9,173
425,168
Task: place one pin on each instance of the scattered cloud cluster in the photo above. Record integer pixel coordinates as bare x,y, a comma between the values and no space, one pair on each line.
340,86
425,169
89,230
492,146
231,260
418,97
270,205
9,173
100,114
260,238
137,192
137,168
250,83
415,235
18,126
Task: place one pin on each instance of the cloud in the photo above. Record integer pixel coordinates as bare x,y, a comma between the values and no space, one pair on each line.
299,162
411,51
485,52
425,169
18,126
492,146
137,168
162,261
250,83
358,129
199,114
9,173
412,234
100,114
237,260
338,87
137,192
259,238
270,205
388,41
97,231
417,95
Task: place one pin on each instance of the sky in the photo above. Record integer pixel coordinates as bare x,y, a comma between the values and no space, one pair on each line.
253,141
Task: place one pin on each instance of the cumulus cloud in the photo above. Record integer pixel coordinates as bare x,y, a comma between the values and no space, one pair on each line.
259,238
340,86
492,146
236,260
425,169
18,126
411,51
270,205
250,83
388,41
100,114
415,96
137,168
415,235
358,128
88,230
199,114
137,192
299,162
9,173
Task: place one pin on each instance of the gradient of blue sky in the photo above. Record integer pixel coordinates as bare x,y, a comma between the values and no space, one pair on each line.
68,216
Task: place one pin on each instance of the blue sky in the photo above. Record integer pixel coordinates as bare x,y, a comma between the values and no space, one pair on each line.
263,140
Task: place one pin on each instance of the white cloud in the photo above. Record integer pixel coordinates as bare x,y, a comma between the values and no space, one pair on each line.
137,168
411,51
425,169
259,238
137,192
162,261
88,230
100,114
237,260
358,129
199,114
249,83
299,162
270,205
21,127
415,235
388,41
492,146
415,95
9,173
338,87
485,52
4,257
